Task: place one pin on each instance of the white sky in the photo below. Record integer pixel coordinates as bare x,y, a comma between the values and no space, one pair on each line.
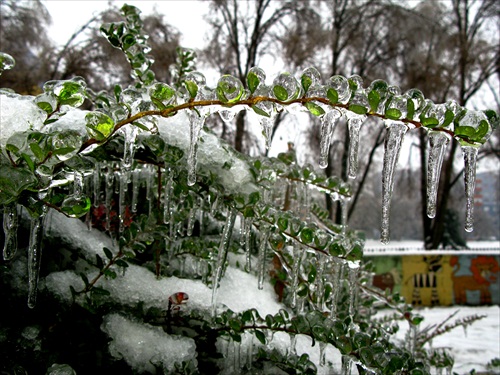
187,16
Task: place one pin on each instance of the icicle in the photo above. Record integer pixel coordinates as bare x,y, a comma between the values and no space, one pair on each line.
167,197
297,259
221,256
34,257
246,232
97,185
470,157
322,353
344,203
346,365
328,122
215,205
394,139
293,344
149,189
130,133
135,190
438,141
110,180
123,177
354,124
236,356
195,124
337,284
264,237
267,127
353,288
191,220
249,354
10,224
320,285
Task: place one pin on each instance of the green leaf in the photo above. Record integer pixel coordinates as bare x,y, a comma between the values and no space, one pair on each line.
307,235
373,100
13,181
192,88
448,118
333,96
99,263
306,82
108,253
252,81
311,276
158,103
280,93
260,336
29,162
393,113
358,109
410,109
121,263
315,109
466,131
260,111
99,125
429,122
282,223
45,106
481,131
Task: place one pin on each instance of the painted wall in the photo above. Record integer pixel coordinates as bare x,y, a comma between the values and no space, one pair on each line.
440,279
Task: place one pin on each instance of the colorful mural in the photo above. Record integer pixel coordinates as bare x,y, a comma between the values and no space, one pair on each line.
440,279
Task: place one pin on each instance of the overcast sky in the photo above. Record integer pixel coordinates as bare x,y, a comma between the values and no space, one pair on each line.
187,16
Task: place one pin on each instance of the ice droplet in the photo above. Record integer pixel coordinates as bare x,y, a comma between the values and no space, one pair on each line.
7,62
328,122
392,147
34,257
10,224
354,124
264,237
221,256
196,122
470,157
438,141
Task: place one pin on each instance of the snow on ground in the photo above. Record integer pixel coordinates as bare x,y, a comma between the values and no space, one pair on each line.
472,348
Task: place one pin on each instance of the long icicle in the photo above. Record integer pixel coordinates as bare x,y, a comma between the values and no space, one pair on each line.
393,140
354,125
34,257
10,224
328,123
438,141
221,256
195,124
262,255
470,158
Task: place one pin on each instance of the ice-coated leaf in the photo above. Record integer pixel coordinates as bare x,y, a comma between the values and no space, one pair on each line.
315,109
229,89
280,93
99,125
255,77
7,62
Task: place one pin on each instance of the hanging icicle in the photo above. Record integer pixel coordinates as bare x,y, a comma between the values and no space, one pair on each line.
10,224
338,277
328,123
264,237
35,256
353,288
109,191
196,122
130,136
438,141
354,125
135,190
470,158
297,260
221,256
393,140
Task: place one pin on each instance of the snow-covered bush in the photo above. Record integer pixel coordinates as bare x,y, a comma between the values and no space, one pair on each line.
165,250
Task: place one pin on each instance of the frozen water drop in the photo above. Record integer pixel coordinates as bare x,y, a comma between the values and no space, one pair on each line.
7,62
10,224
392,146
328,122
470,158
438,141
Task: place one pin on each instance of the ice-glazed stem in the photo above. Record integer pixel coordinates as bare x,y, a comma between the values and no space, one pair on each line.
354,124
438,141
195,124
34,258
264,237
328,123
470,157
221,256
10,224
392,147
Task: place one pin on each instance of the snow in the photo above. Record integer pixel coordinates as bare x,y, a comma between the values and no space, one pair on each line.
144,347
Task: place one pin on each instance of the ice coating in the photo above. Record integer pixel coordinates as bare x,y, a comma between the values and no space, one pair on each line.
328,122
144,346
10,224
222,255
470,158
438,141
392,147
